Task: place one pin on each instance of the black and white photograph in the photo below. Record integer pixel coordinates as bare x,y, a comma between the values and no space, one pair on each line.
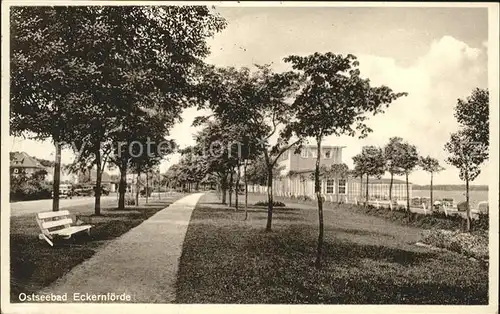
286,157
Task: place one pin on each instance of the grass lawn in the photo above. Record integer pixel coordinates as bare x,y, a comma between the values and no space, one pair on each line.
35,265
367,260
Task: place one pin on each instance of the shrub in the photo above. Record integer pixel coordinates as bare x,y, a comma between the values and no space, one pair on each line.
275,204
130,201
472,245
23,188
482,223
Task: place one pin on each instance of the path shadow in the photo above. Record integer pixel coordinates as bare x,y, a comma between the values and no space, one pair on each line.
353,253
281,217
338,251
360,232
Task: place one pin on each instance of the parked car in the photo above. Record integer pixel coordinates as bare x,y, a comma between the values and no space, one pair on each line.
88,190
83,190
104,191
65,191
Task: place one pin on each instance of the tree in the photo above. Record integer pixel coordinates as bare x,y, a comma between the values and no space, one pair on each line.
155,65
211,149
259,101
333,100
467,155
469,145
407,161
101,62
371,162
391,152
43,84
358,172
139,127
430,165
257,171
473,116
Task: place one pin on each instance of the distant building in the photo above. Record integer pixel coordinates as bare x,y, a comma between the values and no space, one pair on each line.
22,163
306,159
89,177
66,176
296,179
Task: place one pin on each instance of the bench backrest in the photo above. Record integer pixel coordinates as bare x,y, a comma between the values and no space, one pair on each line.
48,221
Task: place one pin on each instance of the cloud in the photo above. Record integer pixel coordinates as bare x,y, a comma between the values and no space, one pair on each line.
448,71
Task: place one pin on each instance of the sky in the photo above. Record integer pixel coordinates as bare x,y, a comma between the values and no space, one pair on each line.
436,55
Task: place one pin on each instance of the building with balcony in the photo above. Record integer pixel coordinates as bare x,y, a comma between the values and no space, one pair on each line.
297,179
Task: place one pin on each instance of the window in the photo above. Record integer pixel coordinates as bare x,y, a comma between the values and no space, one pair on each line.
328,154
330,186
303,153
342,186
313,153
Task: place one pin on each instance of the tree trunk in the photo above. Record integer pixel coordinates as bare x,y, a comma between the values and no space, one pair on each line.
147,186
432,200
269,198
224,188
238,174
407,197
367,185
122,186
231,188
319,197
137,189
98,178
468,226
57,177
246,188
390,187
360,187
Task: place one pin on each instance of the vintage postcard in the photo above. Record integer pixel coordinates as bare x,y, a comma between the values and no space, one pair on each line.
291,157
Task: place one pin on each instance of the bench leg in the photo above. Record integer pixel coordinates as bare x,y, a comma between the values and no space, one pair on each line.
42,236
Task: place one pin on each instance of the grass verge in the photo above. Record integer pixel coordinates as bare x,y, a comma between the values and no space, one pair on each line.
367,260
35,265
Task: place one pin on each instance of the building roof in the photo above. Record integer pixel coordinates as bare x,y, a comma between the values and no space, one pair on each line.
23,160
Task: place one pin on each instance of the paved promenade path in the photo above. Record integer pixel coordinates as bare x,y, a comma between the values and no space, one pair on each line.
142,263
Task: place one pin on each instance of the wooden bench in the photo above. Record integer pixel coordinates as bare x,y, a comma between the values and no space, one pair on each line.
58,224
